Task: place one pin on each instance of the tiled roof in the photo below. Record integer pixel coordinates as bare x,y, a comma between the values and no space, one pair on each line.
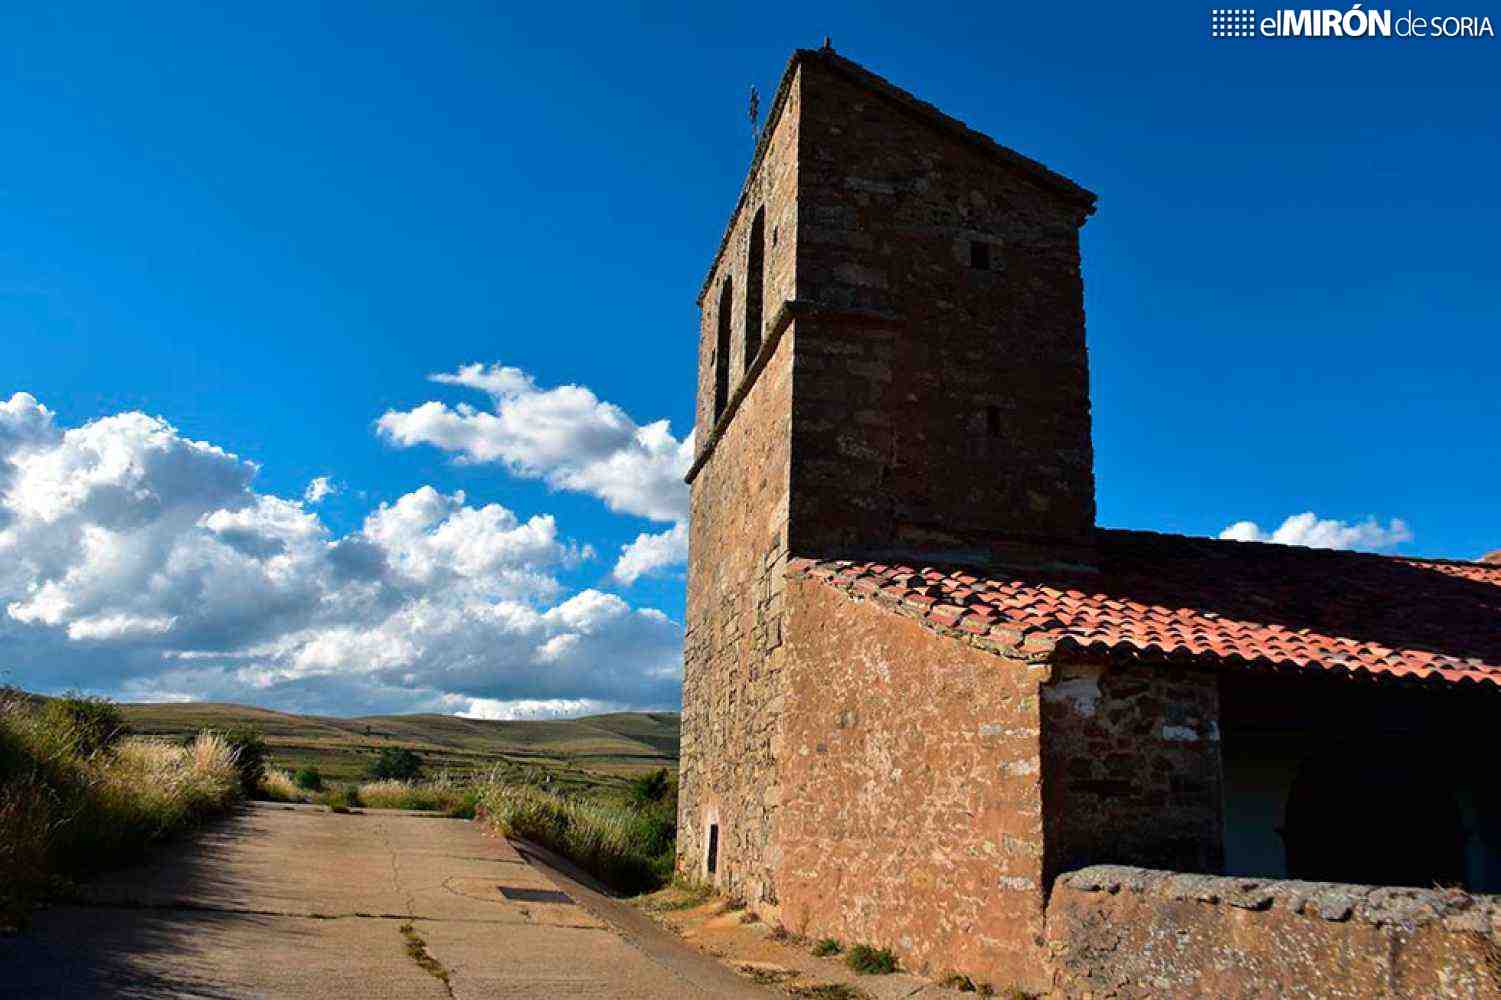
1205,600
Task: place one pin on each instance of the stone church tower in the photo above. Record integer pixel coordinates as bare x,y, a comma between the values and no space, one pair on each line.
891,365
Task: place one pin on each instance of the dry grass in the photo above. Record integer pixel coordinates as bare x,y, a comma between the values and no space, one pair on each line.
71,804
446,794
278,786
828,991
449,795
442,794
628,847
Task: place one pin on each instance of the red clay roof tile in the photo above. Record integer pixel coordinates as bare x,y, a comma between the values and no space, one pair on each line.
1205,599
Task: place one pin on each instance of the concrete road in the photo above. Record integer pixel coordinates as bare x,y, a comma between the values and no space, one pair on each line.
299,902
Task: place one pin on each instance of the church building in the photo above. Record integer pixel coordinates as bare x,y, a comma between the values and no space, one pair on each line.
921,684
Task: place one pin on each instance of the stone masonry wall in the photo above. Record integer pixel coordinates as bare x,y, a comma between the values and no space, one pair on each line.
1131,933
737,553
1131,767
910,810
950,407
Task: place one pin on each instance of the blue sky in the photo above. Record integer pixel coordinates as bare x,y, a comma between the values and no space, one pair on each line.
267,225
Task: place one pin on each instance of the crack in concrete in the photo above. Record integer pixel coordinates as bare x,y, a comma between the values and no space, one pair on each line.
396,886
417,951
416,947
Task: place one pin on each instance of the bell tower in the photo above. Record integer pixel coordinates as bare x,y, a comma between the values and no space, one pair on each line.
891,365
921,284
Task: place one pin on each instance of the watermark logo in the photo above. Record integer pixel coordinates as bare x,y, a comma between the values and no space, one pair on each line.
1354,22
1232,22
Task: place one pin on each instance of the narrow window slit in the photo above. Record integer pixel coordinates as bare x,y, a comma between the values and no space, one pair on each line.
754,285
722,351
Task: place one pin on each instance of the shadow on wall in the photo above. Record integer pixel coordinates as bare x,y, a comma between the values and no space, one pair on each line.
1374,784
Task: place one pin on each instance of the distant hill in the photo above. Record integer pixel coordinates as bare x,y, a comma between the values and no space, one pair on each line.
620,743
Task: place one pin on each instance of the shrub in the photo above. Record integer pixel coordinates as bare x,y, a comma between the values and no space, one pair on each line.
309,779
650,788
250,756
868,961
343,798
826,947
464,805
93,724
397,763
628,848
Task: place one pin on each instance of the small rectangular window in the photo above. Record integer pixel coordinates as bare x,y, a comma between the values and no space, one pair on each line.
713,847
979,256
993,420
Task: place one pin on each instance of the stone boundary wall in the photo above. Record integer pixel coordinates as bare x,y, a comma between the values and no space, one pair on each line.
1132,932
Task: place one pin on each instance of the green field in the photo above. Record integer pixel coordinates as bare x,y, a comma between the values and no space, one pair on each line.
594,747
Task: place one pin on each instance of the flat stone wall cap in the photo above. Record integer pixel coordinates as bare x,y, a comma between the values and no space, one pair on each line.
1398,907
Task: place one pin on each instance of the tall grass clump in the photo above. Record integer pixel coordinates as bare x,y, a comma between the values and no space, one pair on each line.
626,846
78,796
279,786
442,794
445,794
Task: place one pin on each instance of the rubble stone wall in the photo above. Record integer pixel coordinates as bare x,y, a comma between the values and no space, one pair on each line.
1131,767
911,813
1135,933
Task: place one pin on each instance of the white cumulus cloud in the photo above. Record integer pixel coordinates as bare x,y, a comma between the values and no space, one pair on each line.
565,436
531,708
139,562
319,489
571,439
1312,531
650,553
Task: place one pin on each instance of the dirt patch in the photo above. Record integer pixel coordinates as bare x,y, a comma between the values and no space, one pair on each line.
770,955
